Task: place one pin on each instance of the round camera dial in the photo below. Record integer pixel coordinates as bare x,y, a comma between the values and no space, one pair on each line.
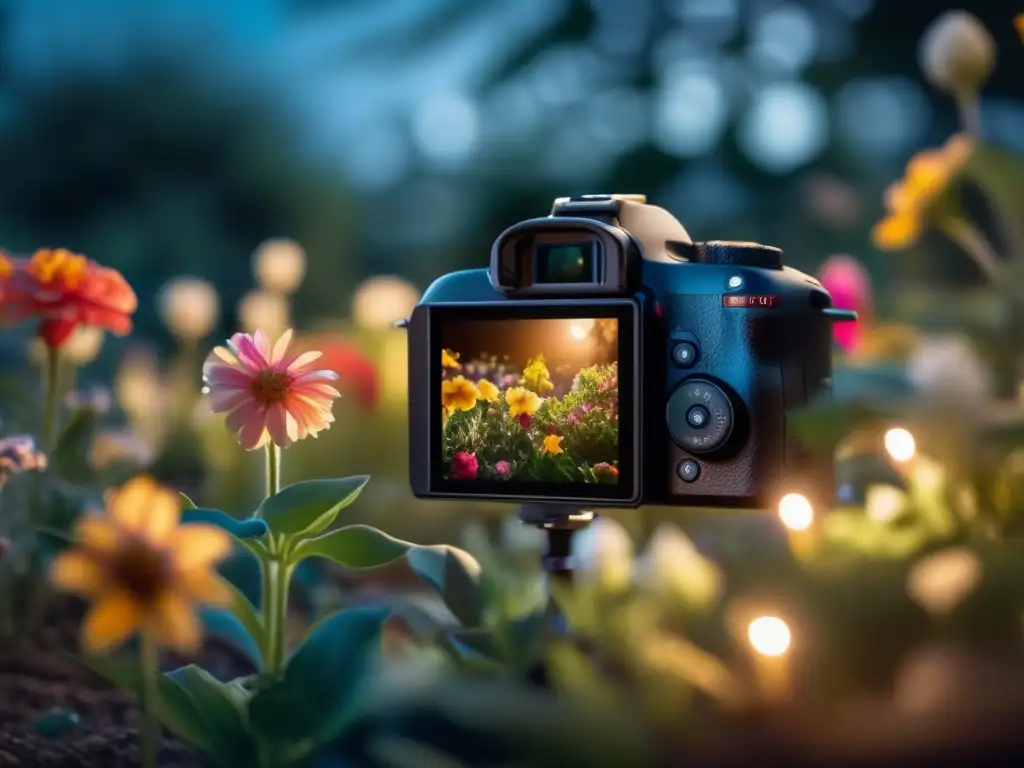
700,416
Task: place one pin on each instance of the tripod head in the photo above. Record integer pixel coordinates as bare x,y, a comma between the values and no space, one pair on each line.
559,522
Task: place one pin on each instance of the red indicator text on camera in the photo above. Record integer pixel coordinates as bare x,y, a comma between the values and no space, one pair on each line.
751,301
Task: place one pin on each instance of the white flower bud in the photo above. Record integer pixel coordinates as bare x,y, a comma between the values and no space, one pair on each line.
83,345
941,582
671,565
957,53
602,554
381,301
279,266
262,310
189,307
948,367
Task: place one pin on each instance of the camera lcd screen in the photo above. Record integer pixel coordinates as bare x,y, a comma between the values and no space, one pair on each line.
560,263
531,405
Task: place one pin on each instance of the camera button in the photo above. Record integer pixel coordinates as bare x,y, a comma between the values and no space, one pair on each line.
697,416
684,354
688,470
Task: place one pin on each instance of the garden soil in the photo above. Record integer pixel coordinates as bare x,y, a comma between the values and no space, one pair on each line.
38,678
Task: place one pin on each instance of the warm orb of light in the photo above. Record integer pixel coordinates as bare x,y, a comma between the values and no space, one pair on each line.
900,444
796,512
769,636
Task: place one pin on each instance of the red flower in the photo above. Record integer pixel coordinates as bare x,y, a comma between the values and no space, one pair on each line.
357,372
846,279
464,466
64,290
525,420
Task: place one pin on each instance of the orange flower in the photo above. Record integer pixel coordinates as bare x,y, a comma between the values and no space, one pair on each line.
64,290
142,571
1018,23
910,200
269,396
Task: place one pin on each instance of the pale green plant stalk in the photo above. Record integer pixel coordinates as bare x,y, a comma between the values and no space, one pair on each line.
974,244
276,576
150,730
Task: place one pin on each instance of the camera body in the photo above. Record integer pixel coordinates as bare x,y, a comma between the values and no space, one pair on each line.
668,367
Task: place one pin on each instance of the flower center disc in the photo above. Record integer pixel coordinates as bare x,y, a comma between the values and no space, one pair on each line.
270,386
143,570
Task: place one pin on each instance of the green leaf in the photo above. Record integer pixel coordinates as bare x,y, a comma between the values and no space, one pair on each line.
186,502
455,575
354,546
176,709
240,625
309,507
250,528
221,706
70,455
323,680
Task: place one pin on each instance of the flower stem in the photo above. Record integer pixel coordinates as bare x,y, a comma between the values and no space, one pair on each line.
51,392
273,470
276,577
974,244
969,107
150,725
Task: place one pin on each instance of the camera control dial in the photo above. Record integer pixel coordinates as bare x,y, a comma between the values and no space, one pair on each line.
700,416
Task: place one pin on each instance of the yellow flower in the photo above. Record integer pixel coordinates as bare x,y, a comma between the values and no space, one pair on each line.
521,400
552,445
910,200
487,391
536,376
142,571
1018,23
450,359
458,394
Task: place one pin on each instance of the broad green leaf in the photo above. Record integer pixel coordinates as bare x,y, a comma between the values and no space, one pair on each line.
309,507
222,708
455,575
70,455
354,546
250,528
175,707
186,502
240,625
324,679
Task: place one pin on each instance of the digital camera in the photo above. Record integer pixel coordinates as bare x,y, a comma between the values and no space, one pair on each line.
607,360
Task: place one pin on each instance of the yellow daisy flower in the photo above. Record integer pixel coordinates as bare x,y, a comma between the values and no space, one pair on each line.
521,400
458,394
552,445
141,571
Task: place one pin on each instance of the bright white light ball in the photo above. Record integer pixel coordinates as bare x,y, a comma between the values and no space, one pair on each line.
769,636
796,512
900,444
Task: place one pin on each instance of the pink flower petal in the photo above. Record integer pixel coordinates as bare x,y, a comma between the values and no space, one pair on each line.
249,353
247,413
315,389
321,375
302,361
277,425
263,345
223,400
253,435
280,348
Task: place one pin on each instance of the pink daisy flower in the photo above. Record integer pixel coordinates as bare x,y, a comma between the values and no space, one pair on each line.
269,395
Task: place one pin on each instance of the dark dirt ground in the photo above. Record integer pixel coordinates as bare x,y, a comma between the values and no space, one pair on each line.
37,678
